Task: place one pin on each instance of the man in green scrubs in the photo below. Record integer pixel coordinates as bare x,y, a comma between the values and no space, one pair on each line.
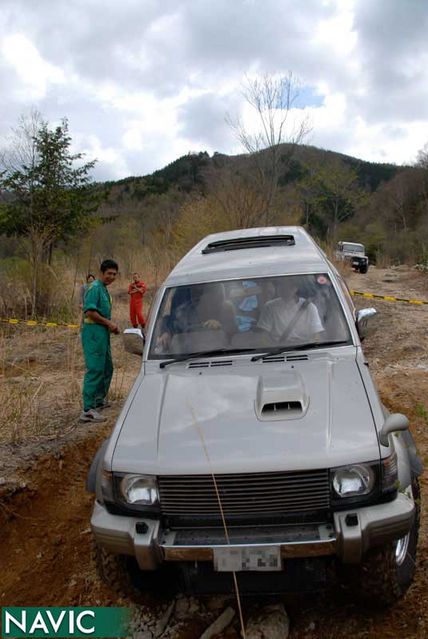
96,331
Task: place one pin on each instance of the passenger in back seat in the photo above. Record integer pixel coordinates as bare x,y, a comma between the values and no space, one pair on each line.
246,304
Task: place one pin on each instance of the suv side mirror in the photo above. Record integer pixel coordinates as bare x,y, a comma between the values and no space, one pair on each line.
133,341
393,422
363,317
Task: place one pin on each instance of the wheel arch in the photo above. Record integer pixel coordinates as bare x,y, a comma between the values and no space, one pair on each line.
95,469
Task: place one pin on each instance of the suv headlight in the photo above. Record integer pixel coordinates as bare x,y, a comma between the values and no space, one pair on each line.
138,490
353,481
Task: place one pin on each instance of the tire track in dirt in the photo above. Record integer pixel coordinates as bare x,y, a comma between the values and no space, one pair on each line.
45,537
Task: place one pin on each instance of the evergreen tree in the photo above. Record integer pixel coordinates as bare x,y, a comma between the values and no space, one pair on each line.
48,196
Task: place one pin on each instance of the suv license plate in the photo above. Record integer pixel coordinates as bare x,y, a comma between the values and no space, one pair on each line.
267,558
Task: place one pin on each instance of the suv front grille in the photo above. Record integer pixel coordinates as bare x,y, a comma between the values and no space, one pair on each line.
246,495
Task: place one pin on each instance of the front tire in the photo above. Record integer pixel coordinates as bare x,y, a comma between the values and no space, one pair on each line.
386,573
364,268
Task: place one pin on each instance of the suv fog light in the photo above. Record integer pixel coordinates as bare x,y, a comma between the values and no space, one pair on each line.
351,481
138,489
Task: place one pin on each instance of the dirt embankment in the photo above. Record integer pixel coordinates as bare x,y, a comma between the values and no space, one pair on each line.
45,554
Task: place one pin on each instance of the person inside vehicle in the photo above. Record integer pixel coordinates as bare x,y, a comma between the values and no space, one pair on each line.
289,318
244,296
201,306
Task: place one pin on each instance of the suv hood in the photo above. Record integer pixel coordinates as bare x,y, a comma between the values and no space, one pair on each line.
248,417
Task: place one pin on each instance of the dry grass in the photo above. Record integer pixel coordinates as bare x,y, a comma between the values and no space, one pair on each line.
41,369
39,383
384,261
60,283
41,373
344,268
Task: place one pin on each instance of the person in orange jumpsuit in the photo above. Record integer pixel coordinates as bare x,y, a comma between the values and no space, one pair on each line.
136,290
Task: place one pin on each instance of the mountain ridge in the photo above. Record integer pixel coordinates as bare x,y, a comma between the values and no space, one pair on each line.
188,172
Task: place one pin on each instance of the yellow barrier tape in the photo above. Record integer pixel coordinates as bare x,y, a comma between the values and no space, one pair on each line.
14,321
389,298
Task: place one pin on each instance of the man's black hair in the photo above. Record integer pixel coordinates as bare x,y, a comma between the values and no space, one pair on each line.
106,264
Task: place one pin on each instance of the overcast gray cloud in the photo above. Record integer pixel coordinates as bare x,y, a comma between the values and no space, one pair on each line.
143,81
208,108
393,50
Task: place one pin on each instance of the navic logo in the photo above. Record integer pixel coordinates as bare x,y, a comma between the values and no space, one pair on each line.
65,622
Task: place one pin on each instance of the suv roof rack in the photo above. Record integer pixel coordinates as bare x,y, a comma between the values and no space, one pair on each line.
257,241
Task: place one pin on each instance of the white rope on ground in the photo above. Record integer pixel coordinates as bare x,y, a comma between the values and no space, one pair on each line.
226,532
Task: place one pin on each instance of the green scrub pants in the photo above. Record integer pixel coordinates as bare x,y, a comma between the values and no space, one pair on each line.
99,365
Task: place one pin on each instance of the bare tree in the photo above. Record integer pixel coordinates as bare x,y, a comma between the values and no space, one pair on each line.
422,158
20,148
238,198
272,98
422,163
403,194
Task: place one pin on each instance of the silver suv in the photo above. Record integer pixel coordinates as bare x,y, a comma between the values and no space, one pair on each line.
253,440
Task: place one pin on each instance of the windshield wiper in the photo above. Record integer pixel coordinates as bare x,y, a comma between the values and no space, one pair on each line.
300,347
200,354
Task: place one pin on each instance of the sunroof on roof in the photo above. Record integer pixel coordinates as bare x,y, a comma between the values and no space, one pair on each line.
258,241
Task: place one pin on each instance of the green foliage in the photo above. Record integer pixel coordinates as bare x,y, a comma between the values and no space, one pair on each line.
335,196
330,194
47,197
295,171
374,236
12,266
422,412
372,174
51,198
51,203
186,175
186,172
422,264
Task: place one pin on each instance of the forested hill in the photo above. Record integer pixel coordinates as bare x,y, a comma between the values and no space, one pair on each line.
335,196
190,172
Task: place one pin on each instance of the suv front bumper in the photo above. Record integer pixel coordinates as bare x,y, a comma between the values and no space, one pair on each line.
352,533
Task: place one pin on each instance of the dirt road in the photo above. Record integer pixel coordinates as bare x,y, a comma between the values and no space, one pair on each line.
44,509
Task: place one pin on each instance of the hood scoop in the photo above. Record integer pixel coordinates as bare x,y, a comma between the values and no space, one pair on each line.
283,410
281,397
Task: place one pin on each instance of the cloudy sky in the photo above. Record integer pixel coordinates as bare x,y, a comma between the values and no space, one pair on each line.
145,81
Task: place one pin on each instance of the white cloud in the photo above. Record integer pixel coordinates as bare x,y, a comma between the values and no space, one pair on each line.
34,73
145,81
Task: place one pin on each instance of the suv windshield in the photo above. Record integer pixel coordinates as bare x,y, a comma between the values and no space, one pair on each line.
248,314
353,248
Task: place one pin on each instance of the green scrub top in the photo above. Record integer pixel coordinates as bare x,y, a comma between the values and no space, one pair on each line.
96,347
97,298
